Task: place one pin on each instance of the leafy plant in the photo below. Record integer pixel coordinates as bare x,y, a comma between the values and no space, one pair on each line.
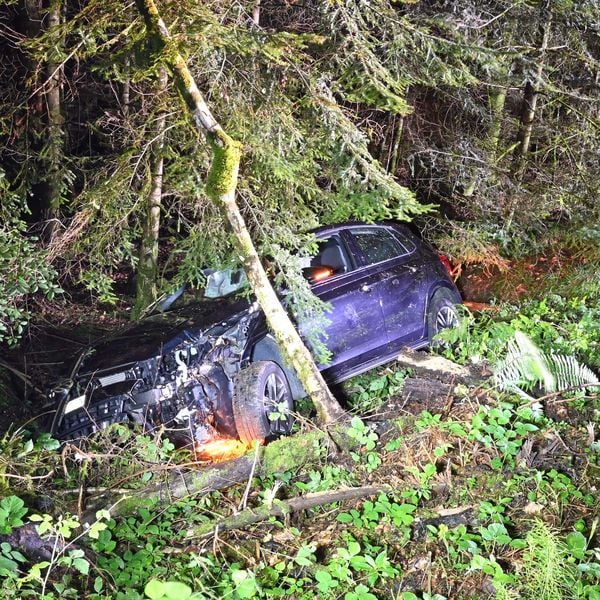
12,508
526,366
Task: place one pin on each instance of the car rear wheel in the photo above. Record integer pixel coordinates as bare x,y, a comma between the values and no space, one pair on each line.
442,313
262,402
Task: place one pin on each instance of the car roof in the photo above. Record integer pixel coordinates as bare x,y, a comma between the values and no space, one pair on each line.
319,231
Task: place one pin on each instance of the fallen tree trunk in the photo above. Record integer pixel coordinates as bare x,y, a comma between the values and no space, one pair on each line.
285,454
280,508
431,366
221,185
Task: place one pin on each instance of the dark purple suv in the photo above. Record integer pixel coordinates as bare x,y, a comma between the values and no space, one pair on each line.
212,367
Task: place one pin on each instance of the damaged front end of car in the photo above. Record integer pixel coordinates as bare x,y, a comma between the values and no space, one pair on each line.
186,386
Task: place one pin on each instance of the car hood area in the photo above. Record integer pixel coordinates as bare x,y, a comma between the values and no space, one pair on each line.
162,332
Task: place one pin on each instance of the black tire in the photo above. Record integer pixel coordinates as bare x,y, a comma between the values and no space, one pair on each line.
260,390
442,313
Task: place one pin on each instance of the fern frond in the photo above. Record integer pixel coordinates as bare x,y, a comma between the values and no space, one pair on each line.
570,373
526,366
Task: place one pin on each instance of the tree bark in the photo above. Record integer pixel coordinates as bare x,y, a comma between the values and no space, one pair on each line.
497,99
532,89
397,128
221,188
147,269
55,135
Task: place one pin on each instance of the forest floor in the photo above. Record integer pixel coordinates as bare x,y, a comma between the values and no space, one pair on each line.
477,493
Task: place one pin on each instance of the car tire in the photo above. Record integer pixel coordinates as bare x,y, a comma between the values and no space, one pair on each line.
260,390
442,313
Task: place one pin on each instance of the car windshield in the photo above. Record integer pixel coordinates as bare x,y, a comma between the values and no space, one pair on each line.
219,284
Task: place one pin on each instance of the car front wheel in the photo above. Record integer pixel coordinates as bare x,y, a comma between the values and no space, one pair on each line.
262,402
442,313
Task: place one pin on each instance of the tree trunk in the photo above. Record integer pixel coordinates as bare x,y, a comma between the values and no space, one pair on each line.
126,89
55,133
147,268
394,150
529,108
497,100
221,187
532,89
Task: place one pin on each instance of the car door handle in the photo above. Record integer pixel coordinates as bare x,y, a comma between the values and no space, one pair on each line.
365,288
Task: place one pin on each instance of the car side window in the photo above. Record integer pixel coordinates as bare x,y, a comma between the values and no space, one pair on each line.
332,253
407,244
378,244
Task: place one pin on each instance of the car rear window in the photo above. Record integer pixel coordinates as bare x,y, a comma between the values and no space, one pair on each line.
378,245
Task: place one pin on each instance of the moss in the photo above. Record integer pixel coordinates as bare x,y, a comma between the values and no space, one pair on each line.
222,178
292,452
339,434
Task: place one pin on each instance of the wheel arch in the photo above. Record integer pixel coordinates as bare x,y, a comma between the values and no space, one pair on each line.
442,285
267,349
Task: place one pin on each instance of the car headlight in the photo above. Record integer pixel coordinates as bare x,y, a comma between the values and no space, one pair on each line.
74,404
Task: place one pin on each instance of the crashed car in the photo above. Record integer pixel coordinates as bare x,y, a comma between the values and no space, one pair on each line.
212,368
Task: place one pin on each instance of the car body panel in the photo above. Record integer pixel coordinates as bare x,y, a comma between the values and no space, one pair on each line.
180,366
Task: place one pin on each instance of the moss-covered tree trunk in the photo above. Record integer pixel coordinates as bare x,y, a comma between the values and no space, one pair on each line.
147,268
497,99
221,188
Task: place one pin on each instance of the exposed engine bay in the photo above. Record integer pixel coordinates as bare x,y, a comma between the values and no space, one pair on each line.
186,387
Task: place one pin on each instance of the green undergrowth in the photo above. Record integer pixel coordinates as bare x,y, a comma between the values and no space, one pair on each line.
495,498
466,508
557,324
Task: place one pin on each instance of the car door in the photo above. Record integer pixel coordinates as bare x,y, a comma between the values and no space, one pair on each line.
355,332
392,259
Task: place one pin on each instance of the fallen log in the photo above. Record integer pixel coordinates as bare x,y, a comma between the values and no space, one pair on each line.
294,452
430,366
279,508
28,541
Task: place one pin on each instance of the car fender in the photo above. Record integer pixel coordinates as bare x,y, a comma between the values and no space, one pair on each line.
438,286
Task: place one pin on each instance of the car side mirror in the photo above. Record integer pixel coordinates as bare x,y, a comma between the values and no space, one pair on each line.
317,273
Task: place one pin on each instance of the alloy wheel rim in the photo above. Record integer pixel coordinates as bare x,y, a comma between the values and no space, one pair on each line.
274,394
446,317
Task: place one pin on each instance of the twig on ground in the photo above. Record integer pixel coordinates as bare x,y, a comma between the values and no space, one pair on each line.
280,508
